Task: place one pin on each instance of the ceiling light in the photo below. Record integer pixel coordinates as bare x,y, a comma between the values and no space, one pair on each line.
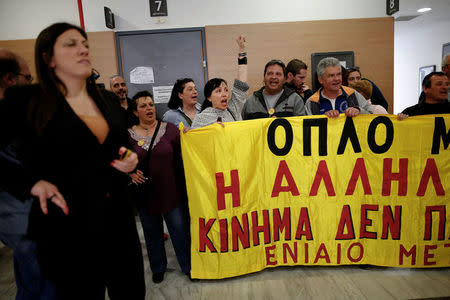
425,9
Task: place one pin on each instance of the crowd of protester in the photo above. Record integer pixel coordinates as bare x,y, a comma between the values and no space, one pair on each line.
77,161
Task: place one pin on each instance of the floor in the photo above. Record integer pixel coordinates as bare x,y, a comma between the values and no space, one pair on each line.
282,283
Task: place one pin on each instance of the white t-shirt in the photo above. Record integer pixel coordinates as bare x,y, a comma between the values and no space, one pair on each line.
333,101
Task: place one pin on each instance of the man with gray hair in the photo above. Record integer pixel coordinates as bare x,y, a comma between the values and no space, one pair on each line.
333,98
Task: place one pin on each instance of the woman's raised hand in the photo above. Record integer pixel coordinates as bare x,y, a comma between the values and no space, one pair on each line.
241,43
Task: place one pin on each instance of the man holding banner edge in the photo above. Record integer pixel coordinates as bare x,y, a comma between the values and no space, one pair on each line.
333,98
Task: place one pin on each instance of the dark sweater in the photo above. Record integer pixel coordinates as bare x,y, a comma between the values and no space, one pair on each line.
424,108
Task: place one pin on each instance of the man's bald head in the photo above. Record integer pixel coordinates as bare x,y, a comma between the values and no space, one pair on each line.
13,70
119,87
5,53
9,70
9,67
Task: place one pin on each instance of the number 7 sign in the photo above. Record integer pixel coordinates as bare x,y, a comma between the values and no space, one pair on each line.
158,8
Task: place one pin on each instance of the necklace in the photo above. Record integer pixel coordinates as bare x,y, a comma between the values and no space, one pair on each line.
142,140
146,129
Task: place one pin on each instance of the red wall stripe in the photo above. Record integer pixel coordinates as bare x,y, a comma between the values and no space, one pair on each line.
80,12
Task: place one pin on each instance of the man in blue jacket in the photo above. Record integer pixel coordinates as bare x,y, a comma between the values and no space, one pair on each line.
333,98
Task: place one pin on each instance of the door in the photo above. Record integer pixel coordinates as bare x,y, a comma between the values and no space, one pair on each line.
153,60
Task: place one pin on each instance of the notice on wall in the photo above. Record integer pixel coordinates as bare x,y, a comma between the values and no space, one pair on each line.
161,94
142,75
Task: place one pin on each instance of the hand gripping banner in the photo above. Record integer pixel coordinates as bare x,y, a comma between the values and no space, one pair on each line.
318,191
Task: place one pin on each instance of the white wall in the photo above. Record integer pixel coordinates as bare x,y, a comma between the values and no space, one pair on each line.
417,43
193,13
24,19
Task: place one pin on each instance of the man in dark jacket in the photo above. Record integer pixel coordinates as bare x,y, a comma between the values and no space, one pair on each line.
14,213
435,87
13,71
119,87
273,100
296,71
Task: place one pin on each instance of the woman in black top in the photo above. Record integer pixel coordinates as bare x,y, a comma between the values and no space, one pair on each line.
74,137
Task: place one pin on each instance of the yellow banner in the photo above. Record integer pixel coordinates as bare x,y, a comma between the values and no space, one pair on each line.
318,191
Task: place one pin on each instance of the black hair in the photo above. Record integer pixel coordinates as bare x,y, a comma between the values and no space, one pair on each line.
43,110
210,86
346,72
294,67
275,62
427,80
133,102
178,88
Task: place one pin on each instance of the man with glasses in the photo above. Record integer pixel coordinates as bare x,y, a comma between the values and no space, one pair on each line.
14,70
273,99
14,213
24,74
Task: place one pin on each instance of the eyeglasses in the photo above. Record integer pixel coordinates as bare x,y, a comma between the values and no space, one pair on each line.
27,77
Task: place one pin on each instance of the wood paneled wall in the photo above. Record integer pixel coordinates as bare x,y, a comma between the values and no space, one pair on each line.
372,41
103,55
102,51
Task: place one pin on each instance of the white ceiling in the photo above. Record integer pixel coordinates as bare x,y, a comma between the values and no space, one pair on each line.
440,9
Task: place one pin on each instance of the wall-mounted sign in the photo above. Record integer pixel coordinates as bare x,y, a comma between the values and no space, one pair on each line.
161,94
392,6
109,18
142,75
158,8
